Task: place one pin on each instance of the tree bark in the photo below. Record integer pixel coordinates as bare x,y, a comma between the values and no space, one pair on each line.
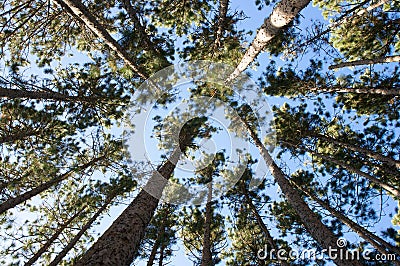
119,244
284,13
379,60
78,10
50,241
342,19
326,239
369,153
75,240
206,255
379,243
12,202
381,91
382,184
43,95
263,227
153,252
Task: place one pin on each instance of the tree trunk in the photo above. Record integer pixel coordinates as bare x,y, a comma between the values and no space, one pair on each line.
223,9
19,136
343,19
153,253
381,91
50,241
369,153
379,243
263,227
12,202
379,60
78,10
43,95
141,29
86,227
206,255
159,240
326,239
283,13
119,244
382,184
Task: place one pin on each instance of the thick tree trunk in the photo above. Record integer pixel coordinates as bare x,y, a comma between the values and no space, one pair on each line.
50,241
284,13
206,255
76,238
119,244
369,153
12,202
379,243
78,10
379,60
326,239
263,227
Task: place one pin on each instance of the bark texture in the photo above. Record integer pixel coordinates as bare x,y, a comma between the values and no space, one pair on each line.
206,255
381,91
326,239
378,243
119,244
284,13
263,227
12,202
369,153
50,241
379,60
223,10
76,238
78,10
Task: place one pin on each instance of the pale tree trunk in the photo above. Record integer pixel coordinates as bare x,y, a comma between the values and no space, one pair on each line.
12,202
372,154
379,243
82,231
78,10
381,91
263,227
206,255
50,241
379,60
326,239
223,9
284,13
119,244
